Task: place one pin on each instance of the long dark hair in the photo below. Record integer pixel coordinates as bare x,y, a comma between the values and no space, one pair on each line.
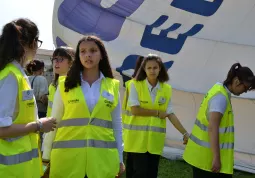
15,36
34,66
244,74
162,76
137,65
73,78
66,52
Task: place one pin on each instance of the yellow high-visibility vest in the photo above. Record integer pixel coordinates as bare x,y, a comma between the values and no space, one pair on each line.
52,90
125,108
198,151
142,133
20,156
84,137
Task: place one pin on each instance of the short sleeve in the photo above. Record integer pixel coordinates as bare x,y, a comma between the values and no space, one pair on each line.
8,95
133,96
170,107
218,103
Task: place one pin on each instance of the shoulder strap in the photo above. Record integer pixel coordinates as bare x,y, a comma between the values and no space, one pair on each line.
32,83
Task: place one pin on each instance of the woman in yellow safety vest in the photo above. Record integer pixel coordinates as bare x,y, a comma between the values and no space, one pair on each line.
149,103
124,106
19,124
210,149
62,60
126,94
88,141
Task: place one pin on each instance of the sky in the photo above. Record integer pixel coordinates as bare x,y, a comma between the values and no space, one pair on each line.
39,11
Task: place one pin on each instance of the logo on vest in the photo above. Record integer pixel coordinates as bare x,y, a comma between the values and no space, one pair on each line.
108,103
73,101
31,104
27,95
161,100
144,101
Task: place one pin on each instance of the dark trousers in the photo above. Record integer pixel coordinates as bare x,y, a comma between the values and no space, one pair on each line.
142,165
42,114
199,173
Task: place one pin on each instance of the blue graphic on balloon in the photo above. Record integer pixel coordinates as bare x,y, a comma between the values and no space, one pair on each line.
89,17
200,7
161,42
60,42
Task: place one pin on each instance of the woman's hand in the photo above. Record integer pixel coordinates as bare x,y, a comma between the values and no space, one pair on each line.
48,124
185,138
162,114
216,165
122,170
44,99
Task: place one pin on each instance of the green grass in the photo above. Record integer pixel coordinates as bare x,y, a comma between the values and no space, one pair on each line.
179,169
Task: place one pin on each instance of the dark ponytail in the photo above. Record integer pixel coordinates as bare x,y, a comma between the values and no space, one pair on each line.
34,66
244,74
137,65
232,73
15,35
10,45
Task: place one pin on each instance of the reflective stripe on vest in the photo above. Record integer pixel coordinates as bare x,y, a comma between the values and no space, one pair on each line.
85,121
19,158
12,139
221,130
144,128
84,143
207,144
50,103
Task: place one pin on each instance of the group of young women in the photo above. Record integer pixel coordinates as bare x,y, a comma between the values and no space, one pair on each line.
86,131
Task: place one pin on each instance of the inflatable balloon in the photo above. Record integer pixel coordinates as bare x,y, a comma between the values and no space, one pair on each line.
198,41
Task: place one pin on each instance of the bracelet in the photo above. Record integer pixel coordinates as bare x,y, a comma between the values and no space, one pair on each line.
157,113
39,126
186,133
45,161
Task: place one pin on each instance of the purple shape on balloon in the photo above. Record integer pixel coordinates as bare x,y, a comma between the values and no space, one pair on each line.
89,17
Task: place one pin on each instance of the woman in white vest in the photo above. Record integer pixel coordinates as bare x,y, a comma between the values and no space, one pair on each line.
19,124
88,141
150,104
210,149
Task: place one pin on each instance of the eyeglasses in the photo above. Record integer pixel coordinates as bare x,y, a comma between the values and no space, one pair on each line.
57,59
39,42
246,87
